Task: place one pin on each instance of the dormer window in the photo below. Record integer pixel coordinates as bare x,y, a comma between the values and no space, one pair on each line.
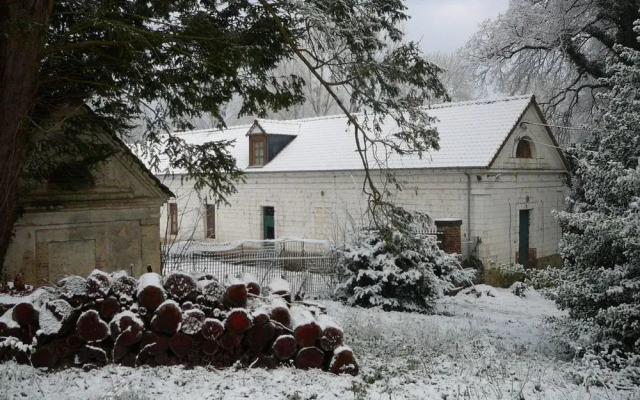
524,150
265,144
258,150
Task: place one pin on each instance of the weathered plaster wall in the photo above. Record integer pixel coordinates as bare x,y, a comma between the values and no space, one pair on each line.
111,226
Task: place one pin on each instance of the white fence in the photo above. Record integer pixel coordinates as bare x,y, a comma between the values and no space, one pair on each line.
308,265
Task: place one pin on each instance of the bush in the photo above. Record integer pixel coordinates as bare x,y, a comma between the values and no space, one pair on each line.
403,272
504,275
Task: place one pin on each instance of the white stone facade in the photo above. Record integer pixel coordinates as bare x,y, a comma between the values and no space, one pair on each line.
329,204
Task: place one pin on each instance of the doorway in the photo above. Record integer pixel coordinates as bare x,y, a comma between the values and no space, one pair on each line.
523,238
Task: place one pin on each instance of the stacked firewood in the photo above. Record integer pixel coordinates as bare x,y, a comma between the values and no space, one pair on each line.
177,319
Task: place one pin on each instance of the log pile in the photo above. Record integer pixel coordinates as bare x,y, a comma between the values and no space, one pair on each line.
177,319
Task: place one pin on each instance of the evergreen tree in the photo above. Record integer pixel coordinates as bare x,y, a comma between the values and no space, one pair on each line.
601,241
398,270
69,68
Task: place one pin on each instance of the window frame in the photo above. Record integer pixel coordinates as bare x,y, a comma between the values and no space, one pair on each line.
254,140
524,148
210,221
173,218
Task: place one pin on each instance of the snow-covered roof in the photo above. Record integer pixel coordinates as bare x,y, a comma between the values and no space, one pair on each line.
272,127
471,134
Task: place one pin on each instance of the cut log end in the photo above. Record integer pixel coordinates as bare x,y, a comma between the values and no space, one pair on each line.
180,285
91,328
181,344
109,307
344,362
212,329
24,314
284,347
309,357
167,318
237,321
236,295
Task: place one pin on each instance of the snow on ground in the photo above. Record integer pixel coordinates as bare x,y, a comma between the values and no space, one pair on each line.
494,346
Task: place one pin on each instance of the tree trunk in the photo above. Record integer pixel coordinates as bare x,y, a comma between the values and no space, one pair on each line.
44,357
126,328
192,321
24,314
280,311
21,45
109,307
212,329
236,295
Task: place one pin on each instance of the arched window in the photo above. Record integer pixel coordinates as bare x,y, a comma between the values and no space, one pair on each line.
524,148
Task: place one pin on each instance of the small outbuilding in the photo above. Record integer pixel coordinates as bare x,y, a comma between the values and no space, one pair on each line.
105,218
491,187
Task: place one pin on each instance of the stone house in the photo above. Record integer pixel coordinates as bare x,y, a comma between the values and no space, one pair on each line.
106,218
491,187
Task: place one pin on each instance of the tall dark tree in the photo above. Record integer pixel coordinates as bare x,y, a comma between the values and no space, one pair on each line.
71,67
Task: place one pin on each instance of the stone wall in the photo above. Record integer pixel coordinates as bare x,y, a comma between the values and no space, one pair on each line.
328,205
110,226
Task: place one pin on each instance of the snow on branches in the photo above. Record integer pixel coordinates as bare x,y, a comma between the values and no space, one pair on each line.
600,284
405,272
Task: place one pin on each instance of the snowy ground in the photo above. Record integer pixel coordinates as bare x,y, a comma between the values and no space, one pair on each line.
487,347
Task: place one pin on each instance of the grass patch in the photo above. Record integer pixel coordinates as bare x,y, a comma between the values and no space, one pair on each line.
504,275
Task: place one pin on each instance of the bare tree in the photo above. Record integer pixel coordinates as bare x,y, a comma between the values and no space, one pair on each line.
456,76
556,49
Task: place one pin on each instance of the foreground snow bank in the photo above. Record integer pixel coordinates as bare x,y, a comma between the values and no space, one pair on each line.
480,346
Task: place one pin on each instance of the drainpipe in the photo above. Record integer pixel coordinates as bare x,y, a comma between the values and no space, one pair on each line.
468,214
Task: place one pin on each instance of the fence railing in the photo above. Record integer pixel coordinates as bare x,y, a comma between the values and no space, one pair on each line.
308,265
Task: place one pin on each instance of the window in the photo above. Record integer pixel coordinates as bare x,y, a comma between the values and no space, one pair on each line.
258,151
173,218
524,148
268,223
210,221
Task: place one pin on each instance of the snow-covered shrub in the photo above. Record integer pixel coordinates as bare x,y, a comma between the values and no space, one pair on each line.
600,282
405,271
544,280
503,275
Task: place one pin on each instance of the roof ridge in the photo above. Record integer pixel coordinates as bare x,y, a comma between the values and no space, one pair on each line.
213,130
477,102
280,121
300,120
438,105
338,116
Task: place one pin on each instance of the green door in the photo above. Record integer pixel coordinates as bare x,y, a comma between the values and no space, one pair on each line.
268,223
523,247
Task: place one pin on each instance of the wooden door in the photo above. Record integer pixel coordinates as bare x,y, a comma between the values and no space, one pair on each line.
523,236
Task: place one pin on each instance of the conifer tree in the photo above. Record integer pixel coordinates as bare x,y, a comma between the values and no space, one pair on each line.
601,240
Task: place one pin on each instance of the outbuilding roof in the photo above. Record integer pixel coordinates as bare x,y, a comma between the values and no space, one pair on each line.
471,134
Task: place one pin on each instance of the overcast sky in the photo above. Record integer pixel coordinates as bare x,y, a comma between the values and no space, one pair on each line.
445,25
